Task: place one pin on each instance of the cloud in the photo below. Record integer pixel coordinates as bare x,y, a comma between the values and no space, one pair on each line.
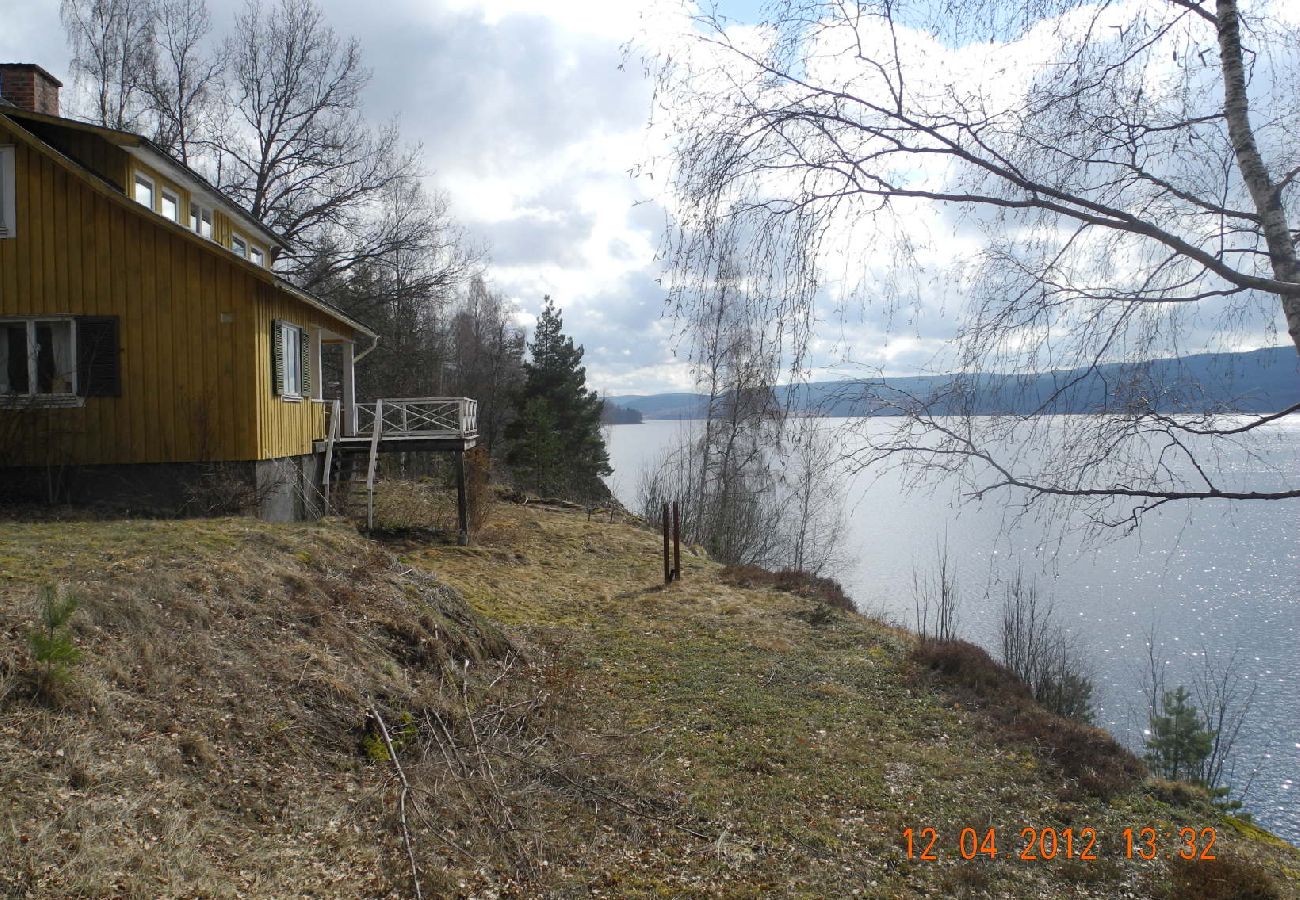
32,33
534,238
531,125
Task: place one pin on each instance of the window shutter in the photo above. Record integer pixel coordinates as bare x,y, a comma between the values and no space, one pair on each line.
277,358
98,357
304,362
8,227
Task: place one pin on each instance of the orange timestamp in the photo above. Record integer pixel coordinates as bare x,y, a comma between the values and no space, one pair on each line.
1040,844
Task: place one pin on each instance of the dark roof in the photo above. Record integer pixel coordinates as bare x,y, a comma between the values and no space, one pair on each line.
116,189
134,138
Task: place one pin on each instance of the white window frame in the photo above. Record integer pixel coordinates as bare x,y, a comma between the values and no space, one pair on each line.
164,195
31,397
256,256
141,178
237,240
8,189
200,216
292,362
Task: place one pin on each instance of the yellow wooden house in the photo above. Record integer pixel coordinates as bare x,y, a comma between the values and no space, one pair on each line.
145,338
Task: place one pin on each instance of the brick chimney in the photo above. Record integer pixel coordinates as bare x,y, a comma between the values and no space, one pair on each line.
30,87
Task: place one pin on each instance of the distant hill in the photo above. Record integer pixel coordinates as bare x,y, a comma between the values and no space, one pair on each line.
1256,381
615,414
664,406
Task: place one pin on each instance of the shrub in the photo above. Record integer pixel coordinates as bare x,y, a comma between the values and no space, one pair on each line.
1040,652
1089,755
792,581
51,643
478,470
936,597
1225,878
222,489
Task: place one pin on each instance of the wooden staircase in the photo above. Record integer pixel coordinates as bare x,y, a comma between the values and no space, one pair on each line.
346,488
344,464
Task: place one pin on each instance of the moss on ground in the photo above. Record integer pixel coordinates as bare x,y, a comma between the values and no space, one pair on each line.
568,725
797,752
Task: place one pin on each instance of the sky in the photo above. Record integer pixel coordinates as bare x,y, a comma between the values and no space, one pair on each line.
532,125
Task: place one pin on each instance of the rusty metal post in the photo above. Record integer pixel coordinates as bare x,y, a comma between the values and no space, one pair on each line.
677,542
668,572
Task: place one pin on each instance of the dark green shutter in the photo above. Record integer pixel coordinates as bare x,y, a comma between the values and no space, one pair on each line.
98,366
304,360
277,358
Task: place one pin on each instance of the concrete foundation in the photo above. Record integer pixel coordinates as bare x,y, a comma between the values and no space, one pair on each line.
289,488
278,490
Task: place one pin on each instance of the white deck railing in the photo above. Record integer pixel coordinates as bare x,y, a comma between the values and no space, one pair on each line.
419,416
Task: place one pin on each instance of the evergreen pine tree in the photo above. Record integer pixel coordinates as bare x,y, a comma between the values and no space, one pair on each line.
554,445
1179,743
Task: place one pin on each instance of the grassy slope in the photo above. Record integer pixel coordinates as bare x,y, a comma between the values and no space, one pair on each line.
704,739
802,751
208,745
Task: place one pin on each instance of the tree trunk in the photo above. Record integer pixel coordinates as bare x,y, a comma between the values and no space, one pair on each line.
1265,194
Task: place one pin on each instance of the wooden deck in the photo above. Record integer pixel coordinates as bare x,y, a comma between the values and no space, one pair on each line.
448,442
403,424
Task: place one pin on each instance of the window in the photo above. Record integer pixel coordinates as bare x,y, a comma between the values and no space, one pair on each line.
239,245
55,360
36,358
292,368
8,225
201,220
144,190
255,255
171,205
290,350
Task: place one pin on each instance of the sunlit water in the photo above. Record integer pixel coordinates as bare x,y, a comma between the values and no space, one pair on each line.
1223,576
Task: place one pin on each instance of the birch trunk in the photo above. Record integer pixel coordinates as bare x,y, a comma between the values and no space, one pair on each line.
1265,194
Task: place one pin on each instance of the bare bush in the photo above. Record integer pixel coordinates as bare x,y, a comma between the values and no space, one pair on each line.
1225,698
1041,652
935,597
478,473
222,489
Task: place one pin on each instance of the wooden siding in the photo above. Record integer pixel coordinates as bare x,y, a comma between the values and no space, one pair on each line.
285,426
194,325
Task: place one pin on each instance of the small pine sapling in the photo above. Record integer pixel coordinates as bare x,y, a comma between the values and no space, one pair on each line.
1179,743
51,643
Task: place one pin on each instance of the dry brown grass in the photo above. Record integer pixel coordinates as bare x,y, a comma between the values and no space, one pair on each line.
1223,878
209,744
569,726
795,747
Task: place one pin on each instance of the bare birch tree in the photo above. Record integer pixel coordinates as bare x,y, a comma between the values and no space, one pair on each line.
756,488
112,43
1117,181
184,85
405,291
486,355
298,153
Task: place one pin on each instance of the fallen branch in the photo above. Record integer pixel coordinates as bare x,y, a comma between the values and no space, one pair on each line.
401,802
607,797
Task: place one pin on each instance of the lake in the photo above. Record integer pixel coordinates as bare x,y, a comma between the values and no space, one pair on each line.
1221,575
